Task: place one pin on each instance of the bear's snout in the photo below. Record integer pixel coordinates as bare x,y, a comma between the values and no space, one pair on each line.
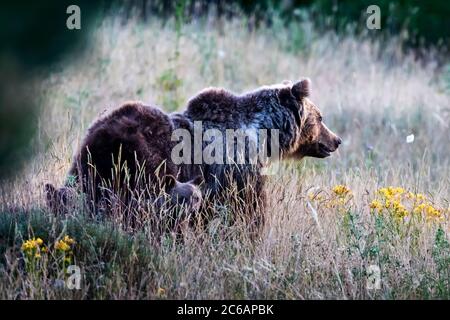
333,143
329,141
337,142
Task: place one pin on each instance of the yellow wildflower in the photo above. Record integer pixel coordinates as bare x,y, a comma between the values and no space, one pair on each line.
61,245
68,240
376,205
402,203
399,209
161,292
384,192
421,197
398,190
419,209
64,244
31,244
432,212
387,204
390,192
33,248
341,190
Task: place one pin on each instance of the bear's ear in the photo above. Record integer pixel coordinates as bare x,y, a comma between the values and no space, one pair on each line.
287,99
301,88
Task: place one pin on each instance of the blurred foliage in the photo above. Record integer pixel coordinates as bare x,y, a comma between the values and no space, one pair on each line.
169,83
35,32
427,21
33,36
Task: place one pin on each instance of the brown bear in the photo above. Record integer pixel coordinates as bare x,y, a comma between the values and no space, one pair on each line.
124,147
126,151
284,109
280,120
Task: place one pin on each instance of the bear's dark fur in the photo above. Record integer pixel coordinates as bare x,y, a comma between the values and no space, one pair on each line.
285,107
126,151
127,146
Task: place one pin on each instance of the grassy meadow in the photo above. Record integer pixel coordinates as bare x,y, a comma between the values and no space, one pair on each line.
379,202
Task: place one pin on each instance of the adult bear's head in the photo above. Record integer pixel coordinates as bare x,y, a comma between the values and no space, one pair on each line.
315,139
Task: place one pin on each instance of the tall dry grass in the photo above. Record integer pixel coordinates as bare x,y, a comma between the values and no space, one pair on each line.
372,95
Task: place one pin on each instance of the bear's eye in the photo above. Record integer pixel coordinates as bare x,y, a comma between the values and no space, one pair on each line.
320,118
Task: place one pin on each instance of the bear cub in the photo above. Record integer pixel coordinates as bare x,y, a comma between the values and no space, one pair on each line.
126,152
